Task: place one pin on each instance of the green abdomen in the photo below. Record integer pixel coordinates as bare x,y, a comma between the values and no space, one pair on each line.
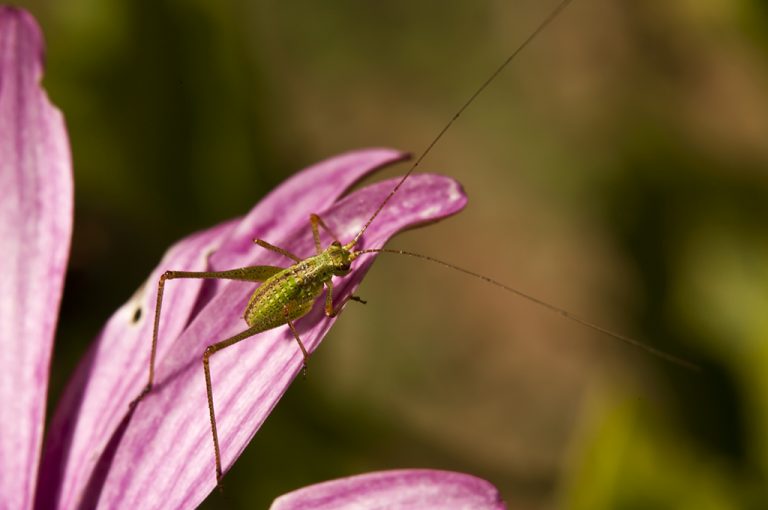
285,296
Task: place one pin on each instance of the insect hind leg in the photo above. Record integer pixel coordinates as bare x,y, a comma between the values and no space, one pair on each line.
210,351
249,274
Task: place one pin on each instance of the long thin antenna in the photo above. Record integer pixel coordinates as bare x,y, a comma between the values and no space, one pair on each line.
563,313
551,17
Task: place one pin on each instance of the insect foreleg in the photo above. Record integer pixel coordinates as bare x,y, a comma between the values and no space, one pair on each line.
276,249
209,388
316,221
249,274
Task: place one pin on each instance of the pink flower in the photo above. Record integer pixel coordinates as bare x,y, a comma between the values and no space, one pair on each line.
97,452
35,232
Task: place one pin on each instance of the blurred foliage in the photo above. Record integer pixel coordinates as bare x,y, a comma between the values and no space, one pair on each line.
619,168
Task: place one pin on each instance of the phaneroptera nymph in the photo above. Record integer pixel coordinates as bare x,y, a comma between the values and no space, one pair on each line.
289,293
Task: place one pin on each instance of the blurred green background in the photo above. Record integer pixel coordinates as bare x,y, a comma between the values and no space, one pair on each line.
619,169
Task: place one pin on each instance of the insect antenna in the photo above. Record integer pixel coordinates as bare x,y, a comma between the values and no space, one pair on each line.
554,13
552,308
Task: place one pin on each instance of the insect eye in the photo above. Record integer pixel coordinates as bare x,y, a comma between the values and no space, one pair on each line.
336,243
345,267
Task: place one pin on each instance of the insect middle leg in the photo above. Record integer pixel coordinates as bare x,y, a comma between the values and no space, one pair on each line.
317,223
301,344
330,311
276,249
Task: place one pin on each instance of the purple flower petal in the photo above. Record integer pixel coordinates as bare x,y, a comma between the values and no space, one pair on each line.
165,458
35,229
409,489
96,400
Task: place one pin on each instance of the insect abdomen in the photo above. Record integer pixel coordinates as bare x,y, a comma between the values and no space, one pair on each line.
285,296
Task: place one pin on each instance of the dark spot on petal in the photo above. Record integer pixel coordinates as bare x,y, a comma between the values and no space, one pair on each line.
137,315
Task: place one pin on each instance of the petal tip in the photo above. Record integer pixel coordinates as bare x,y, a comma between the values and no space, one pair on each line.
406,489
15,20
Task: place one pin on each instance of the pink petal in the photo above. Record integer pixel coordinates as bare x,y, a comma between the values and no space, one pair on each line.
165,459
35,229
416,489
96,399
95,403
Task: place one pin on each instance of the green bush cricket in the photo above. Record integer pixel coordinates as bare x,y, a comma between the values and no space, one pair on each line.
286,294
